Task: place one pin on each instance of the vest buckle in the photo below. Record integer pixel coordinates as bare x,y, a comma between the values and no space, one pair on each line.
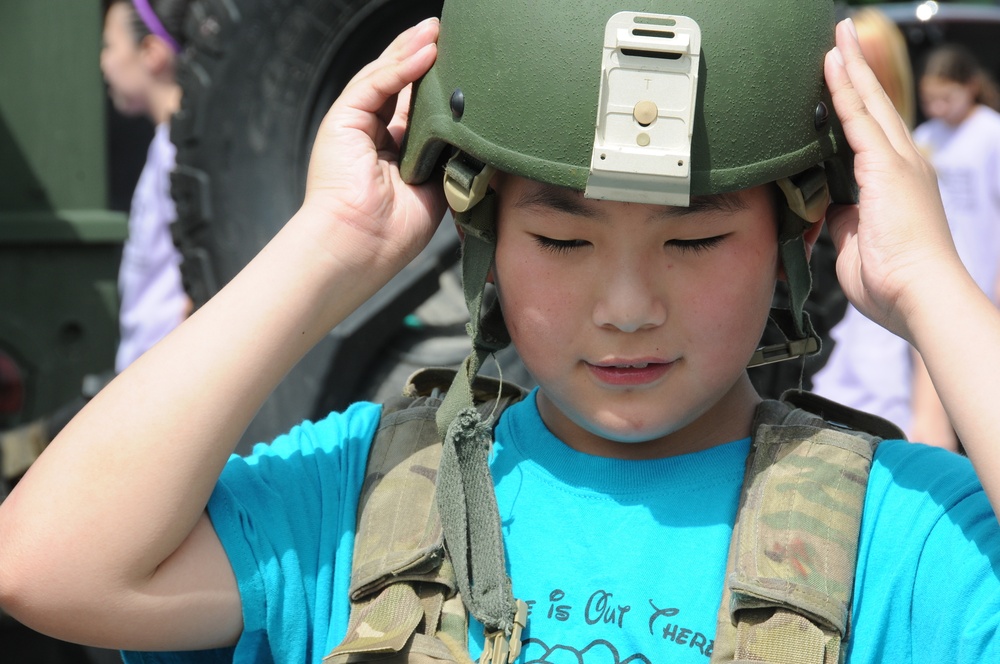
501,649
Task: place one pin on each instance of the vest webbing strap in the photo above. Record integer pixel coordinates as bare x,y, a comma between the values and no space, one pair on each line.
792,558
468,509
404,591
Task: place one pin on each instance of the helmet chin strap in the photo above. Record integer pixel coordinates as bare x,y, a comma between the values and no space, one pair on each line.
800,337
806,197
470,519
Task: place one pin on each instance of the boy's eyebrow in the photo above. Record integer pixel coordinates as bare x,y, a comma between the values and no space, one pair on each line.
732,201
573,202
555,198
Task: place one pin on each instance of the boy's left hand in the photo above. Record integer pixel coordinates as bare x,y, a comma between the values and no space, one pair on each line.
895,242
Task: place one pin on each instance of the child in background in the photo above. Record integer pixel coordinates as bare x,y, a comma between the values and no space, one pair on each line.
637,306
961,139
138,62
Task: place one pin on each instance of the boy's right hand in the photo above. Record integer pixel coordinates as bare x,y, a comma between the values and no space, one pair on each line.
354,169
147,570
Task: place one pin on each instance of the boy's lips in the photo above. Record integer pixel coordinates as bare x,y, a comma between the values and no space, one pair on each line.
630,373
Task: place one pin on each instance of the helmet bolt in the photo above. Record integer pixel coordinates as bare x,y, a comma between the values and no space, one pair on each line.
457,104
645,113
822,115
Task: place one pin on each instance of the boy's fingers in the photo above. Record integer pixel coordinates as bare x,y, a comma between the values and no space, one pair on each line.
862,76
413,39
408,58
854,83
400,119
860,127
842,224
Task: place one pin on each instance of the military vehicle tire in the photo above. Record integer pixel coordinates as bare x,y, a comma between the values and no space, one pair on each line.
257,77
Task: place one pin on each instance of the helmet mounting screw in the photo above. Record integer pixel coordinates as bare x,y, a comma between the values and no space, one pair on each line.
822,115
645,113
457,104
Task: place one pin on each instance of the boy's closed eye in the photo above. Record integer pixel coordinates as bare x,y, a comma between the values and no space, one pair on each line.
697,244
685,245
555,246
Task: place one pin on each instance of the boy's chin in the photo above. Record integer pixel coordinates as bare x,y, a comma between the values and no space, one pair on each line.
624,434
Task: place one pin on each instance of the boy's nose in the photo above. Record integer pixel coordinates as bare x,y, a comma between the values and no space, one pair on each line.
628,299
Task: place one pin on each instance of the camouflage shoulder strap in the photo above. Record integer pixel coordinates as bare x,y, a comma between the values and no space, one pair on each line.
405,605
793,553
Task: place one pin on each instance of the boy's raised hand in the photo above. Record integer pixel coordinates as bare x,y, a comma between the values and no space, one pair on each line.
897,235
354,168
898,265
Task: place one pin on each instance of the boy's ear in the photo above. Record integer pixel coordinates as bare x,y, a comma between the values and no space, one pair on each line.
812,235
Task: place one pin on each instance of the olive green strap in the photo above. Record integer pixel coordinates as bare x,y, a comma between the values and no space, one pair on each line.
793,323
471,522
792,558
795,260
806,198
466,498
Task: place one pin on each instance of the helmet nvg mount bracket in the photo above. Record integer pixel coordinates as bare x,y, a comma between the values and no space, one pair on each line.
645,110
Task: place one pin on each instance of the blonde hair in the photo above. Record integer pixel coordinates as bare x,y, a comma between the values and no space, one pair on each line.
884,48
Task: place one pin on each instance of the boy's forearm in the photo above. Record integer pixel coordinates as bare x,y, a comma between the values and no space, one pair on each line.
146,452
957,331
930,423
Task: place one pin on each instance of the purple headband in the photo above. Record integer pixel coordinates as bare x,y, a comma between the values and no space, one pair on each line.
152,22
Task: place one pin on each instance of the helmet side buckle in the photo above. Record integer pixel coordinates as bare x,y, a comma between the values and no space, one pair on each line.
645,116
466,181
808,193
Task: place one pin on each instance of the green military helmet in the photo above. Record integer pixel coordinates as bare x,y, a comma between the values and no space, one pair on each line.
692,97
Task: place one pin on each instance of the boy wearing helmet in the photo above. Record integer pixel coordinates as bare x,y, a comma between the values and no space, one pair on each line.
618,480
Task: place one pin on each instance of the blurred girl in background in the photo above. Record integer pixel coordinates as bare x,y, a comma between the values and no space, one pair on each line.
142,40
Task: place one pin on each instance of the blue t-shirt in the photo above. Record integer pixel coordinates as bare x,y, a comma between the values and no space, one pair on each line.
618,560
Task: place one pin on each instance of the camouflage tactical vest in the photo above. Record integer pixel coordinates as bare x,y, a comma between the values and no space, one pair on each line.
792,557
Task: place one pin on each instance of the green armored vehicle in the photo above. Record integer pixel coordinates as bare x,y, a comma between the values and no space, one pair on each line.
59,241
